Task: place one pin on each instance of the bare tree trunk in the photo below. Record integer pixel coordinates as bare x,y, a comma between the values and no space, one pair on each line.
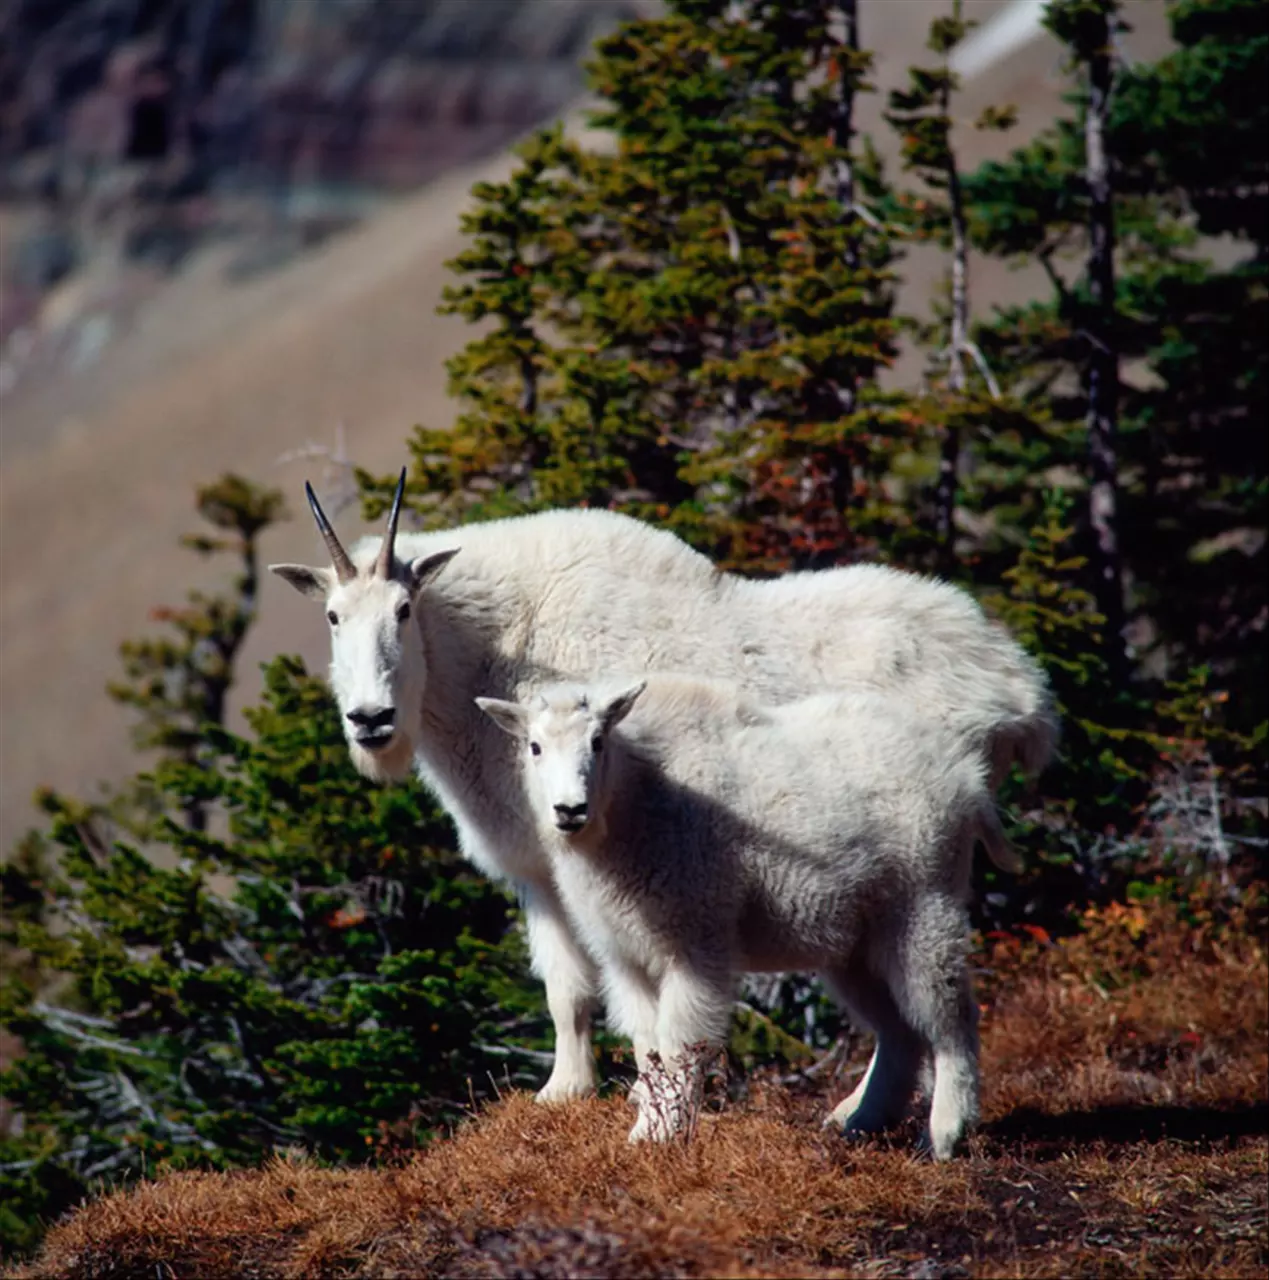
949,457
847,18
844,125
1102,380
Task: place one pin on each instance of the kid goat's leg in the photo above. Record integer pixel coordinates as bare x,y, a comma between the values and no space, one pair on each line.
693,1007
932,985
631,1001
881,1098
571,982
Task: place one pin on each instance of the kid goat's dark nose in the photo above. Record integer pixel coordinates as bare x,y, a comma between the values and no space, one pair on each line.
570,812
373,717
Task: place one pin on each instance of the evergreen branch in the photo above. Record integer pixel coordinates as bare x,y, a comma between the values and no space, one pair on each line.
63,1022
257,1074
244,955
514,1051
86,1019
115,1160
96,846
184,962
134,1096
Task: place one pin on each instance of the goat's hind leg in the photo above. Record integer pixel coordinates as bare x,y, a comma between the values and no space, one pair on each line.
882,1097
932,986
571,980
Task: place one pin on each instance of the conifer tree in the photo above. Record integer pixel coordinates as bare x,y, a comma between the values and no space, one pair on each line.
1193,130
1088,28
1130,282
963,394
689,328
1184,140
177,685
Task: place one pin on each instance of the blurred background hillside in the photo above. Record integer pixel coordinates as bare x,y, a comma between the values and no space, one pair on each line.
204,266
222,230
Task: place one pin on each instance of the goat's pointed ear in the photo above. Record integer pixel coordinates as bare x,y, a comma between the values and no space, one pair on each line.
314,583
510,717
421,571
620,706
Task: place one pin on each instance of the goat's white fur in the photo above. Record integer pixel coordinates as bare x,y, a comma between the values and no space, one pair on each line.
572,594
695,834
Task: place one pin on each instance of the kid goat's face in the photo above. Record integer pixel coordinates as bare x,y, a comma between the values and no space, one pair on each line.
563,737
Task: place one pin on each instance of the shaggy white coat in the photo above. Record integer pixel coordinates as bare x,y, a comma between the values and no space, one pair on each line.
575,594
701,835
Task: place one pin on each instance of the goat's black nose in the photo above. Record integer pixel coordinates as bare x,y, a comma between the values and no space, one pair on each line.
570,812
373,717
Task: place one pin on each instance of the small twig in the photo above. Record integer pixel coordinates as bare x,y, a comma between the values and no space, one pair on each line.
828,1061
338,466
984,368
681,442
1045,256
97,845
733,239
670,1099
866,215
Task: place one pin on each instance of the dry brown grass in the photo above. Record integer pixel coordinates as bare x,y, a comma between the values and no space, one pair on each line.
1125,1132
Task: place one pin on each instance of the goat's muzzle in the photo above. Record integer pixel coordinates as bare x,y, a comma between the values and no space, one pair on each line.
373,727
570,817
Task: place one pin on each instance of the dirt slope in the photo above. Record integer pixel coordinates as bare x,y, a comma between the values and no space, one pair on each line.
97,471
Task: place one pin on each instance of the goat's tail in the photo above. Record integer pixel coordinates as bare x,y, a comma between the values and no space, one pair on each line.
998,845
1029,740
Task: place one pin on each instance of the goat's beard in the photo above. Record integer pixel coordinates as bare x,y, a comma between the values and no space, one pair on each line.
392,765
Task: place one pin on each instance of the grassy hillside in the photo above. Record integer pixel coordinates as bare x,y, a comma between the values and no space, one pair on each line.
1126,1132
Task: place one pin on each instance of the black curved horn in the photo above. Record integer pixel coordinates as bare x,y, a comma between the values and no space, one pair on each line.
345,570
383,565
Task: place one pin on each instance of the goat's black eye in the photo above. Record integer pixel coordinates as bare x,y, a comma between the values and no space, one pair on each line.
597,743
533,746
403,611
332,617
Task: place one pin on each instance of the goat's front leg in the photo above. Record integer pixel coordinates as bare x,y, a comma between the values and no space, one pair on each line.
693,1008
571,982
630,997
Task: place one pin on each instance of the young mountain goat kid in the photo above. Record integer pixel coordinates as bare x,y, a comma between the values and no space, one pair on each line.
419,627
695,834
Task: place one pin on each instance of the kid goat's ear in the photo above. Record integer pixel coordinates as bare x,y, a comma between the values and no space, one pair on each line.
510,717
421,571
314,583
620,706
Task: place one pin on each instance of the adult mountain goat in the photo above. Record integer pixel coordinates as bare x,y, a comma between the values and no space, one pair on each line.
696,834
422,623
